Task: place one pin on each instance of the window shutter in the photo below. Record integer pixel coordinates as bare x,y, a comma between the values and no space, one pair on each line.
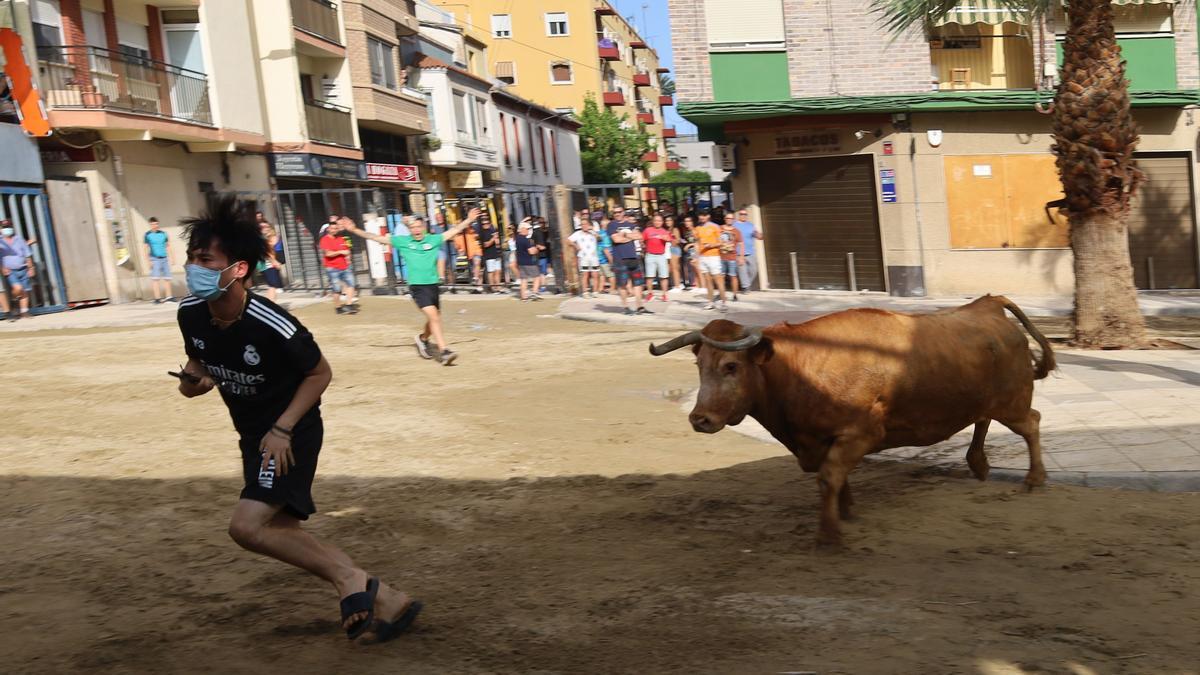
744,24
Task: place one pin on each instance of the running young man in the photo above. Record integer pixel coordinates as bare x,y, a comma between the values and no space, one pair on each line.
420,253
271,375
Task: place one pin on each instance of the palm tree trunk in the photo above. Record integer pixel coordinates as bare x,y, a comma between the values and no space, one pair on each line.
1095,137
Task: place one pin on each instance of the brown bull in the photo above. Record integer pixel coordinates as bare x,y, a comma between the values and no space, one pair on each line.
846,385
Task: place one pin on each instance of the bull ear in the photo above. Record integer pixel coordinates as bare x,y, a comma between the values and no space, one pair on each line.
763,351
696,348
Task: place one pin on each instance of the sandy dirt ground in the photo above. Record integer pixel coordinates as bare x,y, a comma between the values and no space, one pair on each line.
548,501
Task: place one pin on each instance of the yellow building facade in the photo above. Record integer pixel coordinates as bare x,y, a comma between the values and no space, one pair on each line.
559,52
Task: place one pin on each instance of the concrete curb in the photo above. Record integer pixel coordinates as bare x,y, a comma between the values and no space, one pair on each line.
1143,481
651,322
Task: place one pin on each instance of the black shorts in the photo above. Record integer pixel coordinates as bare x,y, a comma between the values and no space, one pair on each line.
294,490
629,269
273,278
426,295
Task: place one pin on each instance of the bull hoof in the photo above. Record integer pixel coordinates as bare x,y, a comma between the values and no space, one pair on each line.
828,543
979,469
1035,479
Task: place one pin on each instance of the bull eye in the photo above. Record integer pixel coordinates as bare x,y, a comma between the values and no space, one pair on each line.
730,368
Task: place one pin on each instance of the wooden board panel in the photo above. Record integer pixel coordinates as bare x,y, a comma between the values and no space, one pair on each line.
999,201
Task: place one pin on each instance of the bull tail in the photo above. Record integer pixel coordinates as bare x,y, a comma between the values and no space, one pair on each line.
1046,363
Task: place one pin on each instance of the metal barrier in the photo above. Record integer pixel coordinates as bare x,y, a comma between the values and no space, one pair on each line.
663,198
27,209
299,216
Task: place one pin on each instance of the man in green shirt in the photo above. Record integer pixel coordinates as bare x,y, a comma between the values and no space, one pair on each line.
420,253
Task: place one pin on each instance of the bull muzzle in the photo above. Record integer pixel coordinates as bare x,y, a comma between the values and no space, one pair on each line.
752,337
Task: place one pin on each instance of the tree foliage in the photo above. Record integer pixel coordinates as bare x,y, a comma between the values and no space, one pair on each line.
608,150
679,194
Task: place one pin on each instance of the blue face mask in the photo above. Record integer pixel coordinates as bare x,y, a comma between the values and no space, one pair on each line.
7,231
205,283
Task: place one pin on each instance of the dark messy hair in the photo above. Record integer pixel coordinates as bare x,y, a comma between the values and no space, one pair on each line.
231,222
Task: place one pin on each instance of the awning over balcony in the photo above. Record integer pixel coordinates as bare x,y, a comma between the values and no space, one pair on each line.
995,12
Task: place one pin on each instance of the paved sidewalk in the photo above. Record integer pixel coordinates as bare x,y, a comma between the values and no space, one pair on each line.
767,307
129,314
1124,419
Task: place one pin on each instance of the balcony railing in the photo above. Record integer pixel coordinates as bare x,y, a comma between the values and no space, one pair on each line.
641,79
608,49
90,77
318,17
666,99
329,123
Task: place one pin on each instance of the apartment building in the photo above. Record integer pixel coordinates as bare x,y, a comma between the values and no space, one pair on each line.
559,53
688,153
484,136
153,107
149,112
921,163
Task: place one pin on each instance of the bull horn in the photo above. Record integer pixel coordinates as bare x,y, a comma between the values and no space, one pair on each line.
753,336
685,340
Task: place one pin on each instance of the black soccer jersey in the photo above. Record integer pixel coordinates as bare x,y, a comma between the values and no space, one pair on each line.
257,363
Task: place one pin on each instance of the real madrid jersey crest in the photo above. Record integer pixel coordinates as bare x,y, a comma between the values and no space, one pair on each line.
257,363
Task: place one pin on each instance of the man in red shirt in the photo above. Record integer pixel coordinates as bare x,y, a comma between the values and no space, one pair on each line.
657,238
336,254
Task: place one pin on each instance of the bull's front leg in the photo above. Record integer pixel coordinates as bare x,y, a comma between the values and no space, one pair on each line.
843,456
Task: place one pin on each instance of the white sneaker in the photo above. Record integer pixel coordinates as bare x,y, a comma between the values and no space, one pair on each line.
423,347
710,306
724,307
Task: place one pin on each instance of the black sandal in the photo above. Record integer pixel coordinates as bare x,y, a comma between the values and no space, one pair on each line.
386,631
363,601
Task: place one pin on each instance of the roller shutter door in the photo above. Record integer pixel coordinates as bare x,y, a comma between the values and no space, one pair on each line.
821,208
1162,229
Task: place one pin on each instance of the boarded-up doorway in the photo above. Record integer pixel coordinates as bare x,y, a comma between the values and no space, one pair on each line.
821,208
1162,226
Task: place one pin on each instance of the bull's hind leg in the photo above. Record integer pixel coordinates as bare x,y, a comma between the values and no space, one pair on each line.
1029,428
845,501
976,458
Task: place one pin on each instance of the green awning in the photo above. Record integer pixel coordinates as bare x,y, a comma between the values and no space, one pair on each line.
710,116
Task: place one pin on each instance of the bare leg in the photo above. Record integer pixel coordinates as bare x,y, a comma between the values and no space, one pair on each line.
267,530
719,280
433,326
976,457
1029,428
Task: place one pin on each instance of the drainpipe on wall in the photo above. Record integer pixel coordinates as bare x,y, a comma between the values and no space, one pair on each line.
918,289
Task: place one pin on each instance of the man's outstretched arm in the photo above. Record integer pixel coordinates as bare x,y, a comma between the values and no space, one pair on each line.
356,231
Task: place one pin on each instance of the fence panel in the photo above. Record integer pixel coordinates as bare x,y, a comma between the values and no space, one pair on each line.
27,209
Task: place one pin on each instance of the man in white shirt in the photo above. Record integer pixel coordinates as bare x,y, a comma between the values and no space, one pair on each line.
585,244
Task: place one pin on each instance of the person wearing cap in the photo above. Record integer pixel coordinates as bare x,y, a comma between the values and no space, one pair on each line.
16,259
527,256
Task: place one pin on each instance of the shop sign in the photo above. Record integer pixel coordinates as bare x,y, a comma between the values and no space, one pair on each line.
317,166
393,173
65,155
887,185
808,143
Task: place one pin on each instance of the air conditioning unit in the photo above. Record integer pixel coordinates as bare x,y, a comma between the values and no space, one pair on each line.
727,157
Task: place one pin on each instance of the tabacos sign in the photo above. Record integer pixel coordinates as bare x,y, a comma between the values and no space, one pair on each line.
807,142
393,173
